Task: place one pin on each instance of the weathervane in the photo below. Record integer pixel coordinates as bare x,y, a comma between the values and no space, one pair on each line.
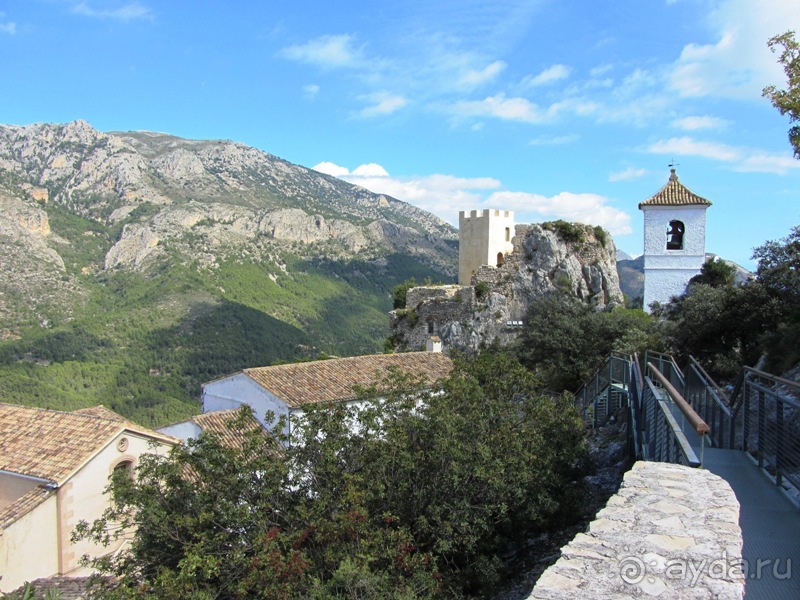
673,164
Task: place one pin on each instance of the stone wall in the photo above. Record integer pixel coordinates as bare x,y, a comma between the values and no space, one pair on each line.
670,532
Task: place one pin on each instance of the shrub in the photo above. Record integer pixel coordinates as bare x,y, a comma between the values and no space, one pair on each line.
568,232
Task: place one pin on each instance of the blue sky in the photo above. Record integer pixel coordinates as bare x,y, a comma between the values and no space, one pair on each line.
553,109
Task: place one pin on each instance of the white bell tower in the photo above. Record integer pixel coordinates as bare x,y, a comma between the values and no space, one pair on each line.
674,240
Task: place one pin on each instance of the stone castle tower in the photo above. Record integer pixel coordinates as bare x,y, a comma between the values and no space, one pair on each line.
674,240
483,239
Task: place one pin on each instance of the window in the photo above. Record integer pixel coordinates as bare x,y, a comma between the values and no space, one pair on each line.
430,326
675,235
123,469
500,259
508,234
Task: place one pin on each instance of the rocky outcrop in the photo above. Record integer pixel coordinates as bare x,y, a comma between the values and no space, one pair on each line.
572,258
210,196
34,281
670,532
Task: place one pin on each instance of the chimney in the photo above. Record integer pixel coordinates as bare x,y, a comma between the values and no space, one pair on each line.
434,344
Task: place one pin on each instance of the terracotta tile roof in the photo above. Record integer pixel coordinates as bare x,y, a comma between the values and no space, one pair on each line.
333,380
69,588
105,413
51,444
675,194
22,505
219,423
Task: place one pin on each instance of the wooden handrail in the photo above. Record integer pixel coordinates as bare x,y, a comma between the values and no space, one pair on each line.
694,419
720,392
766,375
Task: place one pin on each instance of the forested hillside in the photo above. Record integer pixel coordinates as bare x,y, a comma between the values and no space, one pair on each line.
137,266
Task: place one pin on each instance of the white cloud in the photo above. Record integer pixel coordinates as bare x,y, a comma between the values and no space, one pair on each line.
695,123
311,90
686,146
591,209
549,75
8,27
126,12
737,64
511,109
330,168
326,51
745,159
383,103
627,174
554,140
601,70
474,78
370,170
768,163
445,195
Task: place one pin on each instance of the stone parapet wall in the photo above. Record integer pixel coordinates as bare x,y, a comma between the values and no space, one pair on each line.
669,532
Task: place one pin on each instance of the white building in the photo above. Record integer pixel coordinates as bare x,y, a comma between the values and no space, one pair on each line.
285,390
483,239
54,469
674,240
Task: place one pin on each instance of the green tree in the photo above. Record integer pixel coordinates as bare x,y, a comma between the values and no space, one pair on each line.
413,495
722,327
787,101
399,293
716,273
564,339
779,272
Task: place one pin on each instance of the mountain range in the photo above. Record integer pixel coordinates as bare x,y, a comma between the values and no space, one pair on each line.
138,265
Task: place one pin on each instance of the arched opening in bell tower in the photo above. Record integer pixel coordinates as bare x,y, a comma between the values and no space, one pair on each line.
675,235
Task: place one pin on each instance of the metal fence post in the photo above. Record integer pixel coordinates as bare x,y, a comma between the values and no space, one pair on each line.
760,432
779,442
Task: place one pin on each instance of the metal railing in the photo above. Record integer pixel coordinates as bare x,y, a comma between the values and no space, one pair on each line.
653,432
668,441
770,423
666,365
761,416
711,403
606,392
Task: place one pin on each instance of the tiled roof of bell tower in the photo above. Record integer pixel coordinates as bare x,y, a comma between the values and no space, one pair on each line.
675,194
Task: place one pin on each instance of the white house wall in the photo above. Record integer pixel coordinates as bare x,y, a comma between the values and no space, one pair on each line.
237,390
83,497
38,544
185,430
29,546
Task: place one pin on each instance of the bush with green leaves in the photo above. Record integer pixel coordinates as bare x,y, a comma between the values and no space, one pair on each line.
415,495
564,340
568,232
726,326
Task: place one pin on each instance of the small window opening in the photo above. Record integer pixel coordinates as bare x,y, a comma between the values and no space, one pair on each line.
123,469
500,259
430,326
675,235
508,234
